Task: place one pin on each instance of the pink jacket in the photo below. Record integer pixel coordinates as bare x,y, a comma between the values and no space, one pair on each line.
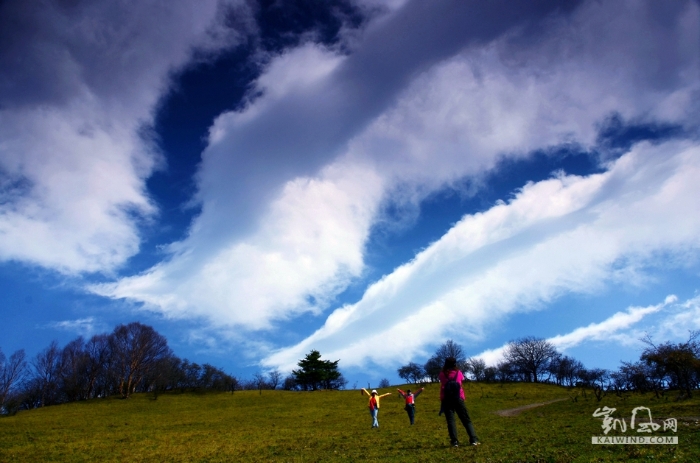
443,379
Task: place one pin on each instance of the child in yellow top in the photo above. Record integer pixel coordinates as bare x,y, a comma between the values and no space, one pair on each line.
373,404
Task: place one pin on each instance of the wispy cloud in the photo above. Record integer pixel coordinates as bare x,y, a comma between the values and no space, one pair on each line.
682,320
672,323
607,329
85,327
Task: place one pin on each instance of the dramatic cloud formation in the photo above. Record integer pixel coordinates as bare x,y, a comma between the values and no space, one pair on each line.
337,140
264,247
568,234
78,85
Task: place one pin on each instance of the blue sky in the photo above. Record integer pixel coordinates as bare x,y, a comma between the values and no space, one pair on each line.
256,179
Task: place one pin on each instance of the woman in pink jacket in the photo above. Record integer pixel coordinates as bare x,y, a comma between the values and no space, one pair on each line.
452,398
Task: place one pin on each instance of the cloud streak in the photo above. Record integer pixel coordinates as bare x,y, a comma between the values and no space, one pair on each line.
564,235
672,322
85,327
607,329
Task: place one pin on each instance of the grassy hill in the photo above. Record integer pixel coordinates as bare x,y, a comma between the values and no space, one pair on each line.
335,426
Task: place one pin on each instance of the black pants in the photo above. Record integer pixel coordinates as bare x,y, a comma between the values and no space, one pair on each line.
411,410
450,407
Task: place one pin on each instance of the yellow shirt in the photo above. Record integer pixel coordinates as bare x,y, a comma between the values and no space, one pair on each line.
377,397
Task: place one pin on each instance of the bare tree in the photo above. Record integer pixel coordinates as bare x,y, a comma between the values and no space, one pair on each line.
531,356
435,363
136,351
384,383
290,383
490,374
12,372
190,374
74,362
432,368
566,370
678,364
259,381
47,372
98,353
505,371
411,373
477,367
451,349
274,378
635,376
598,379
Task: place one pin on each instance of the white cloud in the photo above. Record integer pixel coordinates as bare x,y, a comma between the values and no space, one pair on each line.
685,318
85,327
603,330
672,324
308,165
309,244
562,235
78,86
78,187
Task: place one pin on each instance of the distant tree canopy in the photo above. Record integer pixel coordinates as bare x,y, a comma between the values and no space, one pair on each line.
12,372
411,373
565,370
676,364
432,369
133,358
477,367
314,373
449,349
415,373
531,356
137,352
661,367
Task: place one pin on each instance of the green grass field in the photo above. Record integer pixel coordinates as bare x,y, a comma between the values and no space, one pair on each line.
335,426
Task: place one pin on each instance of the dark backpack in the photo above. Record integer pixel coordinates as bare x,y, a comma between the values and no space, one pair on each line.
452,389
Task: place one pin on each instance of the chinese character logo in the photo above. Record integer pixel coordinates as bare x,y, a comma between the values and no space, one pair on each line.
641,420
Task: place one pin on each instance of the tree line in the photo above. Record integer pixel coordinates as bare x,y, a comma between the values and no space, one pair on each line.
134,358
661,367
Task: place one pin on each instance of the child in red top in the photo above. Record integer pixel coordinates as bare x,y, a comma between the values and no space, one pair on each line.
410,402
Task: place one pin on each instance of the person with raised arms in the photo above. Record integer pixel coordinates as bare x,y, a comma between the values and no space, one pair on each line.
410,399
373,404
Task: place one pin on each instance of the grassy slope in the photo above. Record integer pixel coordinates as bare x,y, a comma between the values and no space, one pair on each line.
334,426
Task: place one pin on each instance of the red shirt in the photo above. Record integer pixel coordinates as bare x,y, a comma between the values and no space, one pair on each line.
373,403
410,398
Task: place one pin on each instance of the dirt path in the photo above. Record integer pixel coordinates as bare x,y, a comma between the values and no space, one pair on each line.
518,410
